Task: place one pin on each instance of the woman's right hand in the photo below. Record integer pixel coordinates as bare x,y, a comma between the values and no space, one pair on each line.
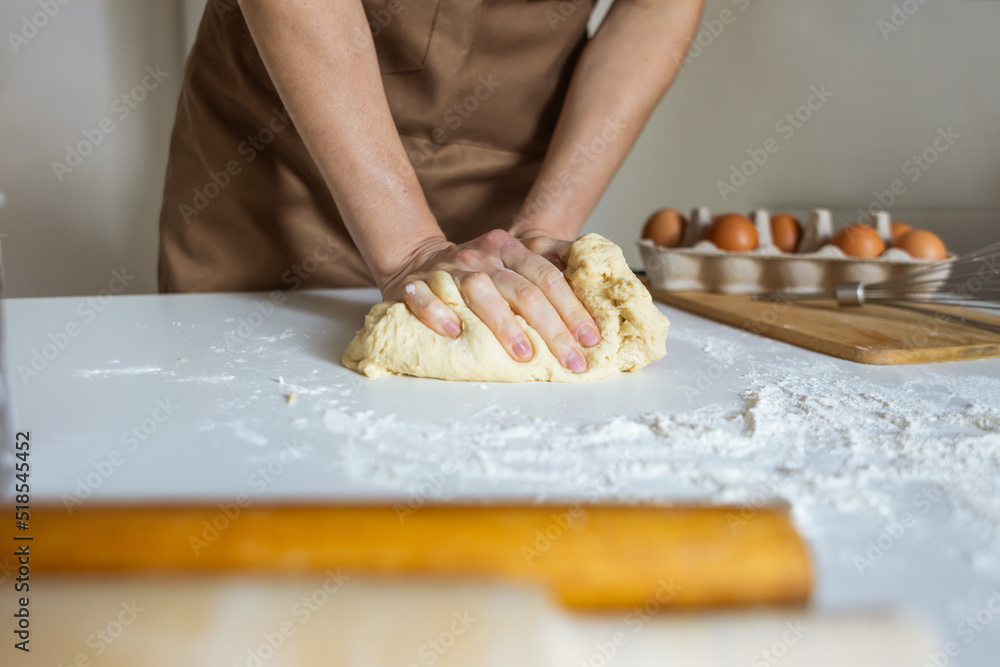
498,277
339,106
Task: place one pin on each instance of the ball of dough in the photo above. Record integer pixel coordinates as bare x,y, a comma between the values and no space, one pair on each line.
633,330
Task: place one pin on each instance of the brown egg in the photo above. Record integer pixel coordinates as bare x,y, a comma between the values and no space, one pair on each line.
785,232
665,228
732,232
897,229
859,241
921,244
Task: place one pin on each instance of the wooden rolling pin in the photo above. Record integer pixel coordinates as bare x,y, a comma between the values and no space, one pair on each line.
591,556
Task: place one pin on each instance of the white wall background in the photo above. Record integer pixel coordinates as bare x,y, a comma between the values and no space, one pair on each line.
890,95
66,237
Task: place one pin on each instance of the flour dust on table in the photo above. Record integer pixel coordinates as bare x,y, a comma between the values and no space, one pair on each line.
633,331
822,437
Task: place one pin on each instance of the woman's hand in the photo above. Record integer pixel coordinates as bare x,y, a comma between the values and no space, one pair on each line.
499,276
549,248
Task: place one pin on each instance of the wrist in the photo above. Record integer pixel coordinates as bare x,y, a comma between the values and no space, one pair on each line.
552,221
524,228
405,257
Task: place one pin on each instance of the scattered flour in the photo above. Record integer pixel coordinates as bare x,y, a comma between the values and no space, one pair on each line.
131,370
820,442
287,333
721,350
206,379
238,428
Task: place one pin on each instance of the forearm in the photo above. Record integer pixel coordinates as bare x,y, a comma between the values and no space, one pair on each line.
620,77
321,57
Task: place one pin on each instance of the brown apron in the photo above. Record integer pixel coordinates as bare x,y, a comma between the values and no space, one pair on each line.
475,88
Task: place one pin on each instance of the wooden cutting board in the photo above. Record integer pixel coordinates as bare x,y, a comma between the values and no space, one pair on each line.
869,334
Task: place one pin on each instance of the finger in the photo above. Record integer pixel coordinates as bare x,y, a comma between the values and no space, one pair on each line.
551,249
431,310
485,301
529,302
556,291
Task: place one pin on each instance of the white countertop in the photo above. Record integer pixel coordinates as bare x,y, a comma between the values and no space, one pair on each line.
726,417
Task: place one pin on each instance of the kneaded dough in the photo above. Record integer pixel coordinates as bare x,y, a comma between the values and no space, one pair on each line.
633,331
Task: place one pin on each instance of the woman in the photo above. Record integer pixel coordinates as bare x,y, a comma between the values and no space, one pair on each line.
387,139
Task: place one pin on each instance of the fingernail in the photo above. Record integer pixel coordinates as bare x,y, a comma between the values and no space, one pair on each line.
576,363
452,327
522,348
589,337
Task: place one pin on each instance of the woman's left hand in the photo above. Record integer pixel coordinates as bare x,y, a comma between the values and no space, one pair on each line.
549,248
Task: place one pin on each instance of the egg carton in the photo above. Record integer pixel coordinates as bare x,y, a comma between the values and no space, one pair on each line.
700,266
